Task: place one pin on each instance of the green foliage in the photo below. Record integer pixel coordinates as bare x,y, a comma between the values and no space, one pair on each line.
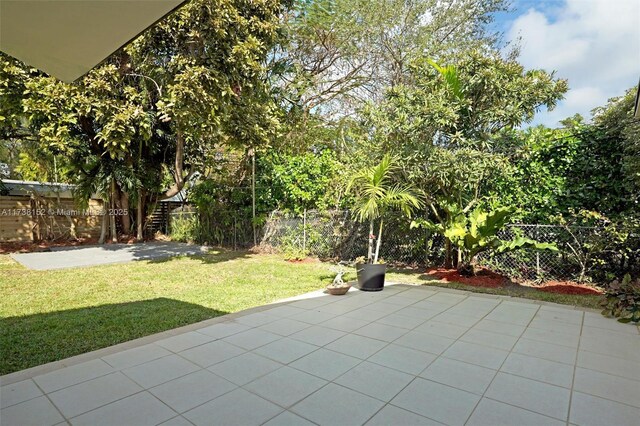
476,232
623,300
299,181
376,193
183,227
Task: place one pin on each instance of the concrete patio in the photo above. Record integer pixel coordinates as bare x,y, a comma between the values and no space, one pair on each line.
404,356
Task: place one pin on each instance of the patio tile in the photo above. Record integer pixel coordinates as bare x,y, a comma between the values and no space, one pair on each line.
287,418
544,350
313,316
336,309
388,333
192,390
211,353
223,329
395,416
384,307
231,409
417,313
285,386
488,338
343,323
402,358
185,341
252,339
604,385
558,315
318,336
539,369
18,392
555,326
244,368
494,413
430,305
312,303
284,311
400,300
588,410
511,315
608,364
473,353
451,331
160,370
72,375
439,402
531,395
257,319
37,411
374,380
177,421
447,298
365,314
141,409
613,344
285,350
457,374
598,321
326,364
337,405
455,319
563,339
500,327
397,319
417,294
135,356
357,346
285,326
87,396
425,342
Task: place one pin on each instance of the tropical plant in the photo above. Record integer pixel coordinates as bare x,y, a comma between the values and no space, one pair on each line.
476,232
376,192
623,300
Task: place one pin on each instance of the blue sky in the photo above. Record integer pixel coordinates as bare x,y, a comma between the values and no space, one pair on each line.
595,44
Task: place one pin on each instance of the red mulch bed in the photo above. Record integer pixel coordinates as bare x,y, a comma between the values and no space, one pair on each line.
484,278
305,260
568,287
489,279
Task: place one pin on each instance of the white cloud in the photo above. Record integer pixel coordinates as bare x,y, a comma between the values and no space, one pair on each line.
595,44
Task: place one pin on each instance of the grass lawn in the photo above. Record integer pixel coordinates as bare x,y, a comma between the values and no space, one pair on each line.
50,315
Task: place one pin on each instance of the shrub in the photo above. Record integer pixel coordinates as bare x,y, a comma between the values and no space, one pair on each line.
623,300
183,228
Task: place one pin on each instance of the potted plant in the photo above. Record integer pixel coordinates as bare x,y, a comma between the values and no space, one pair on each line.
376,192
338,287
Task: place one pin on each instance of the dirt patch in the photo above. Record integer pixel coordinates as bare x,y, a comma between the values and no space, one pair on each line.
484,277
305,260
568,287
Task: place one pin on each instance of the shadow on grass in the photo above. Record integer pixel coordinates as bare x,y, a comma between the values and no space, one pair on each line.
214,256
30,340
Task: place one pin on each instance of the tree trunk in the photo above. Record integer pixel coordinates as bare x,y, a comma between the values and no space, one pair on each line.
103,227
139,214
448,258
375,260
125,219
370,251
112,216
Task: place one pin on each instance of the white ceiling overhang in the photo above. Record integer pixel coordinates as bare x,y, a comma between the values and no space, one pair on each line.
67,38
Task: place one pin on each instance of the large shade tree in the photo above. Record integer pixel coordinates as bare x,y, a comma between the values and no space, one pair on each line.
140,125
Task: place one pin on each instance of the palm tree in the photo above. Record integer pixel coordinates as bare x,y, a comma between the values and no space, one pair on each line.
376,192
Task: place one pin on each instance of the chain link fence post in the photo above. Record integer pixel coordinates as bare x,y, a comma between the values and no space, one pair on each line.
304,231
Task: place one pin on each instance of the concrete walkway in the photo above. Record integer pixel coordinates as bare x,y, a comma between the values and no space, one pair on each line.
75,257
404,356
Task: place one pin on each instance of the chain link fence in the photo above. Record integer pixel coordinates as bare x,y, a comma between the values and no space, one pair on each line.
338,235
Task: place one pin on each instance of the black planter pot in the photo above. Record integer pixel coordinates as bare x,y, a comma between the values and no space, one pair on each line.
370,276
